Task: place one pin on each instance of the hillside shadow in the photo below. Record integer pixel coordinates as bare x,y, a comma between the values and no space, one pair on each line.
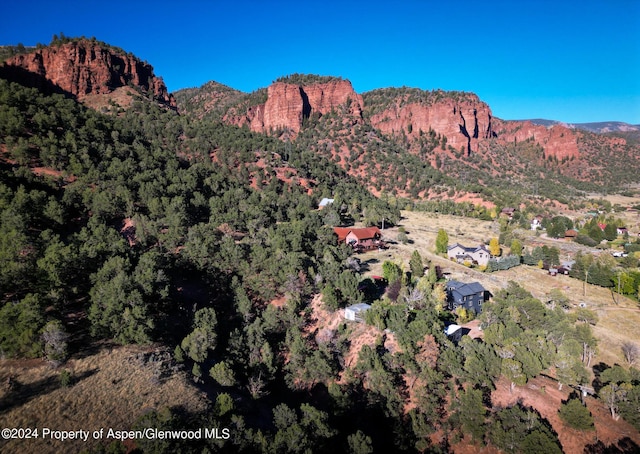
32,80
19,394
623,446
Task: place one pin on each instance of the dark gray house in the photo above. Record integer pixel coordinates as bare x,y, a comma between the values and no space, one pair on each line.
470,296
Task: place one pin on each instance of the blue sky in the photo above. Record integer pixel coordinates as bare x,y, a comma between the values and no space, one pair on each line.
573,61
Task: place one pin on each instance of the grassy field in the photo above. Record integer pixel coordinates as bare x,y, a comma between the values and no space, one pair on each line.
618,316
111,388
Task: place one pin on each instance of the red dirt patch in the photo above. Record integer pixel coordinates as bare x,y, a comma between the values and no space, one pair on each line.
279,302
475,199
475,331
361,335
323,323
542,394
128,231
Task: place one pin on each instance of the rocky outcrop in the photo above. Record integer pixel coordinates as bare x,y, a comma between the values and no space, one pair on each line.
559,142
464,122
467,123
82,68
289,105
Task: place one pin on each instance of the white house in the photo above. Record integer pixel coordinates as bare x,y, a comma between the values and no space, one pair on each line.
479,255
536,223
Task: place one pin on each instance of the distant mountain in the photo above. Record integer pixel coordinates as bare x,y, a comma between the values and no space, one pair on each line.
600,127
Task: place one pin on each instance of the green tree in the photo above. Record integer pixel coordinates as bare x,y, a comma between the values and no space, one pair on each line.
595,232
613,395
224,404
558,297
557,226
630,407
471,413
20,325
15,250
223,374
391,271
347,285
610,232
575,414
584,336
432,274
481,363
416,265
442,241
117,307
202,339
616,374
512,369
330,297
518,429
516,247
569,368
360,443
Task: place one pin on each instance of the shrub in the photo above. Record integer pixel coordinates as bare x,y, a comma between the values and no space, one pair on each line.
178,354
66,378
55,341
586,240
222,374
505,263
576,415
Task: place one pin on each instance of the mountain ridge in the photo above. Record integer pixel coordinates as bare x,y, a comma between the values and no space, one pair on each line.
451,132
599,127
82,68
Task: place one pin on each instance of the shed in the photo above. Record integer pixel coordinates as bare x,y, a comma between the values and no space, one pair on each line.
453,332
325,202
355,311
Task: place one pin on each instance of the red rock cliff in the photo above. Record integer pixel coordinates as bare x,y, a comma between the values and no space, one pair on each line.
288,105
464,122
467,122
82,68
558,141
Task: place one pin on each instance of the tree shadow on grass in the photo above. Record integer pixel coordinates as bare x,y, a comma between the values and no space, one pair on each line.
19,393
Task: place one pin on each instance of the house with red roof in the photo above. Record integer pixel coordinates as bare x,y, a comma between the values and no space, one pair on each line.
361,239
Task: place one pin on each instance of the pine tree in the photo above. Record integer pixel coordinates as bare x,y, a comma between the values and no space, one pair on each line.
416,265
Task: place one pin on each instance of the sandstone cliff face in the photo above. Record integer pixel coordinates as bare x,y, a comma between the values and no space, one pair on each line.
82,68
288,105
469,122
464,122
558,141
